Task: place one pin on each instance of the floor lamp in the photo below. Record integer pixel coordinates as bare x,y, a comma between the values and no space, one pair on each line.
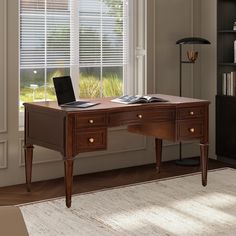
192,57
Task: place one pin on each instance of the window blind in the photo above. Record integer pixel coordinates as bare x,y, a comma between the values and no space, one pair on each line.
44,33
103,32
58,33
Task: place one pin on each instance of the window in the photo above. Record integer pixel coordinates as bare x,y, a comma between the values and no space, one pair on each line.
88,39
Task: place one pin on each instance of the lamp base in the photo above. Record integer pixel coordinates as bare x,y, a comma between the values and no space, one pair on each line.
188,162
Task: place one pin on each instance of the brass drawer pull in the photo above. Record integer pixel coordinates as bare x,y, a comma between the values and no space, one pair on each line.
91,121
140,116
91,140
191,113
192,130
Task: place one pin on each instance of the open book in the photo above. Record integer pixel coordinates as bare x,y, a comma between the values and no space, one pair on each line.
129,99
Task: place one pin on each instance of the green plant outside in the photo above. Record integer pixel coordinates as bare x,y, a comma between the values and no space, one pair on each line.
109,86
89,87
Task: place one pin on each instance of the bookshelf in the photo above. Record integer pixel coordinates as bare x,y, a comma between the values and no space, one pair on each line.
225,104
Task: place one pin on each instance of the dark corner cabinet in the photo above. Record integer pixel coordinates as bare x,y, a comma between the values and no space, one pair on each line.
226,67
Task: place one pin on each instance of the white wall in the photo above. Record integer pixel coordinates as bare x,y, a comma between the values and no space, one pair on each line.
171,20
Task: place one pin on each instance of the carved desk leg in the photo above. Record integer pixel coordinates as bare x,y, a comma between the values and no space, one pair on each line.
28,165
68,164
204,161
158,153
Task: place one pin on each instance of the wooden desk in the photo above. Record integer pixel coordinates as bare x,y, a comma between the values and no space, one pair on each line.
73,131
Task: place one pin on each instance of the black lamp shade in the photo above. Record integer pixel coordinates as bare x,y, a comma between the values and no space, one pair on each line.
193,40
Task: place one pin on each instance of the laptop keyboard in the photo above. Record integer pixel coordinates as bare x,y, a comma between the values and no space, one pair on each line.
79,104
76,103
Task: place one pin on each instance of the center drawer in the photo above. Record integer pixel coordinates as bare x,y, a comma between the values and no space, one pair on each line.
140,116
91,140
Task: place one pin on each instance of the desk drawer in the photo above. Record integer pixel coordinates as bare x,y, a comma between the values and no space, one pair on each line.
190,113
90,120
190,129
139,117
91,140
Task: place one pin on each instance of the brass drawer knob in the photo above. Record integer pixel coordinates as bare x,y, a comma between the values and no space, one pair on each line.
91,140
191,113
140,116
91,121
192,130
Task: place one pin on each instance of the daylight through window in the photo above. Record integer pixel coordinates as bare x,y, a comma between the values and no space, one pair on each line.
87,39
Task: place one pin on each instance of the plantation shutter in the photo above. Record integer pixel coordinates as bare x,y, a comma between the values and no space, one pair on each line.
45,37
103,33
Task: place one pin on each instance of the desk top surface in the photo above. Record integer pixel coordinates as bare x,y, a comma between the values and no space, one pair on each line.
106,104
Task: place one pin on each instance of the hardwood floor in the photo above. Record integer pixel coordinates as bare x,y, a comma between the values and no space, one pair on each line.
84,183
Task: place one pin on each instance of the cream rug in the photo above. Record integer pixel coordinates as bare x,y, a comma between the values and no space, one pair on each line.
179,206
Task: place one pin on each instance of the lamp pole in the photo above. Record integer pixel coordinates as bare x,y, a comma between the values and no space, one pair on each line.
181,42
185,162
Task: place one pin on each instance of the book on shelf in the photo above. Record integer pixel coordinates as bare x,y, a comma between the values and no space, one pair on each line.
133,99
235,51
229,83
224,84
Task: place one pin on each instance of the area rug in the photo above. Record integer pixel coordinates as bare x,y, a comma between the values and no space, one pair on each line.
178,207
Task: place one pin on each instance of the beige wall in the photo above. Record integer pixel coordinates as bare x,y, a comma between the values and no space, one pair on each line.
167,22
176,19
181,18
173,22
3,88
208,70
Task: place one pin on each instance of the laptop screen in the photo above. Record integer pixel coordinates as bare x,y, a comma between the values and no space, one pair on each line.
64,89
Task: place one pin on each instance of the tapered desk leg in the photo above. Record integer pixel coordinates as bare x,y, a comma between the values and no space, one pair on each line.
68,164
204,161
28,165
158,153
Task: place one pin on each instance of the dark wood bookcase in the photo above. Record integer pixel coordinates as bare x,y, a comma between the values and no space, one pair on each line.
225,105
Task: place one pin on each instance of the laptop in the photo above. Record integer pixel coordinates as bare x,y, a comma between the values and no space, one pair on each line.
65,94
